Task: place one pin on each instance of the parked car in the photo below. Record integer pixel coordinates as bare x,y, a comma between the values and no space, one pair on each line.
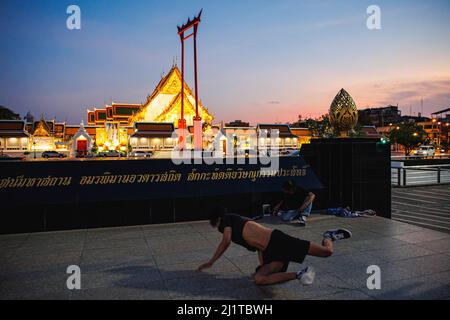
110,154
425,151
52,154
5,156
140,154
290,153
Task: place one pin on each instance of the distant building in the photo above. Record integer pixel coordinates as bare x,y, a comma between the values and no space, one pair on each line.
237,123
304,135
442,115
285,138
379,117
415,119
13,137
369,132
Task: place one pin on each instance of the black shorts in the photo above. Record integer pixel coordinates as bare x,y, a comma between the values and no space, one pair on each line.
284,248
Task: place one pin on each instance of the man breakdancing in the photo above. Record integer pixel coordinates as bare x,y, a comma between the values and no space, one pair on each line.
275,248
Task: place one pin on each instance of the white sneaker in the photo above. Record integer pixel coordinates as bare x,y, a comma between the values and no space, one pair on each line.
306,276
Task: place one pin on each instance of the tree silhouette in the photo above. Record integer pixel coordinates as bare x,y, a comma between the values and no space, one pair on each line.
409,135
7,114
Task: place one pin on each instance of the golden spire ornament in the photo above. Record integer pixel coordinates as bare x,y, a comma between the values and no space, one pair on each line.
343,113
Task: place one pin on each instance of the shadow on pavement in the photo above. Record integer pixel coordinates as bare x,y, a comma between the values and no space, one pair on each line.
190,283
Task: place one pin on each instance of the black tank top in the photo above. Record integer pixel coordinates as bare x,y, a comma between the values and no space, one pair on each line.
236,223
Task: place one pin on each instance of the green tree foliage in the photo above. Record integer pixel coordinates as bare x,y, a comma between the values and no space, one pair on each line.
94,148
409,135
7,114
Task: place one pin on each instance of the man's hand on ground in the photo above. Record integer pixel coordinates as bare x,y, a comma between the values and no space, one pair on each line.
205,266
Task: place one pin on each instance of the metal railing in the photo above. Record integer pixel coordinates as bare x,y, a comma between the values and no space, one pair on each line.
420,157
416,176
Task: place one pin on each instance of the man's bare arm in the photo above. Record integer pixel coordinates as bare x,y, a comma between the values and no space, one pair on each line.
223,246
308,200
277,207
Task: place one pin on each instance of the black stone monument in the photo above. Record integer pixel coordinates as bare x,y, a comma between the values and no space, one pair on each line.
355,172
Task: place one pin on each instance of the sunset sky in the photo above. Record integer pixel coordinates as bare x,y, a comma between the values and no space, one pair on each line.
259,61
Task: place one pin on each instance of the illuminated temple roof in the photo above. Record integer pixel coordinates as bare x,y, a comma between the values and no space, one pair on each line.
164,103
12,128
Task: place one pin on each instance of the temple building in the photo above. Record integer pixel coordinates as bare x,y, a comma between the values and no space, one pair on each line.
116,123
13,136
284,139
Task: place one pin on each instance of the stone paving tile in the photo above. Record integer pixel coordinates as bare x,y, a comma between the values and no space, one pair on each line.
183,257
370,244
426,265
422,236
182,237
5,255
440,246
180,246
188,270
50,248
347,295
107,265
247,264
101,259
159,262
416,288
154,290
397,228
344,248
201,227
58,236
357,277
251,293
206,283
237,251
102,243
133,276
214,236
40,262
324,284
397,253
442,277
167,230
345,263
12,241
44,285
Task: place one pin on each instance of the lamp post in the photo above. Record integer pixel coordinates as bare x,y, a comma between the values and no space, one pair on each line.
197,119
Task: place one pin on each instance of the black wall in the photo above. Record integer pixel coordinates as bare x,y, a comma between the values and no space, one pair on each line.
353,172
77,205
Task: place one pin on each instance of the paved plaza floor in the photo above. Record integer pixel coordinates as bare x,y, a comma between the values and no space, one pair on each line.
158,262
427,207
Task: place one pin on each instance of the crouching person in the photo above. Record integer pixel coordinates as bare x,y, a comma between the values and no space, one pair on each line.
275,248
